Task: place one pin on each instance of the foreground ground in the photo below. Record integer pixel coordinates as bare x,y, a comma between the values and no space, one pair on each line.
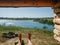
39,36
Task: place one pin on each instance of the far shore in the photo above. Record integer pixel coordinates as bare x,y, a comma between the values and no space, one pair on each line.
46,20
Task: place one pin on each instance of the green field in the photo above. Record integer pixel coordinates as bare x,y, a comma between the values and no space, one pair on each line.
39,36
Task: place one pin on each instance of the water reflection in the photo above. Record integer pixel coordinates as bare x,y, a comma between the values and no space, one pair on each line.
26,24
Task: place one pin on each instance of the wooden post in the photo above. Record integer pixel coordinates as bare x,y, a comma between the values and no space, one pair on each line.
57,21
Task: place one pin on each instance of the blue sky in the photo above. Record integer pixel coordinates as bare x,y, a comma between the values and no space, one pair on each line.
27,12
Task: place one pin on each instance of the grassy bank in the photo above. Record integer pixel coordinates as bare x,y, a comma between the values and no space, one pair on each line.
39,36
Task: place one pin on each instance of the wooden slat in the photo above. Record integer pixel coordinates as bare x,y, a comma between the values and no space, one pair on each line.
25,3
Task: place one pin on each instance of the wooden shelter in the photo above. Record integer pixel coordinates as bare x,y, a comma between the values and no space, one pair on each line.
55,4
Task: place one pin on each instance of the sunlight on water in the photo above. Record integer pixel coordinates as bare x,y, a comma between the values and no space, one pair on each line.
26,24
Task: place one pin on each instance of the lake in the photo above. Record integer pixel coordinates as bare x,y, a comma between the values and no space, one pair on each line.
25,24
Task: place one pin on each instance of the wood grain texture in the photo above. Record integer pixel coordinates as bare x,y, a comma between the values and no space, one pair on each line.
25,3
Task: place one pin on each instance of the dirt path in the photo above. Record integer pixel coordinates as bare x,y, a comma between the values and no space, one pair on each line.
10,42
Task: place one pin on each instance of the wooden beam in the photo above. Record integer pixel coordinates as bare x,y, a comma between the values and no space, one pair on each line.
26,3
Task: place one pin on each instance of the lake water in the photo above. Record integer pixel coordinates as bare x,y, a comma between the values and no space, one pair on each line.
26,24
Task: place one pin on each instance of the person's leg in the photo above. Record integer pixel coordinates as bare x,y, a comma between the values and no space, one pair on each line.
29,39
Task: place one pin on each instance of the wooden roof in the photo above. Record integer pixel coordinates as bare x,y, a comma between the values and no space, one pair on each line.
27,3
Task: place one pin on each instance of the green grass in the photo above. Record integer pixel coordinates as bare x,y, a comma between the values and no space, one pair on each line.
39,36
